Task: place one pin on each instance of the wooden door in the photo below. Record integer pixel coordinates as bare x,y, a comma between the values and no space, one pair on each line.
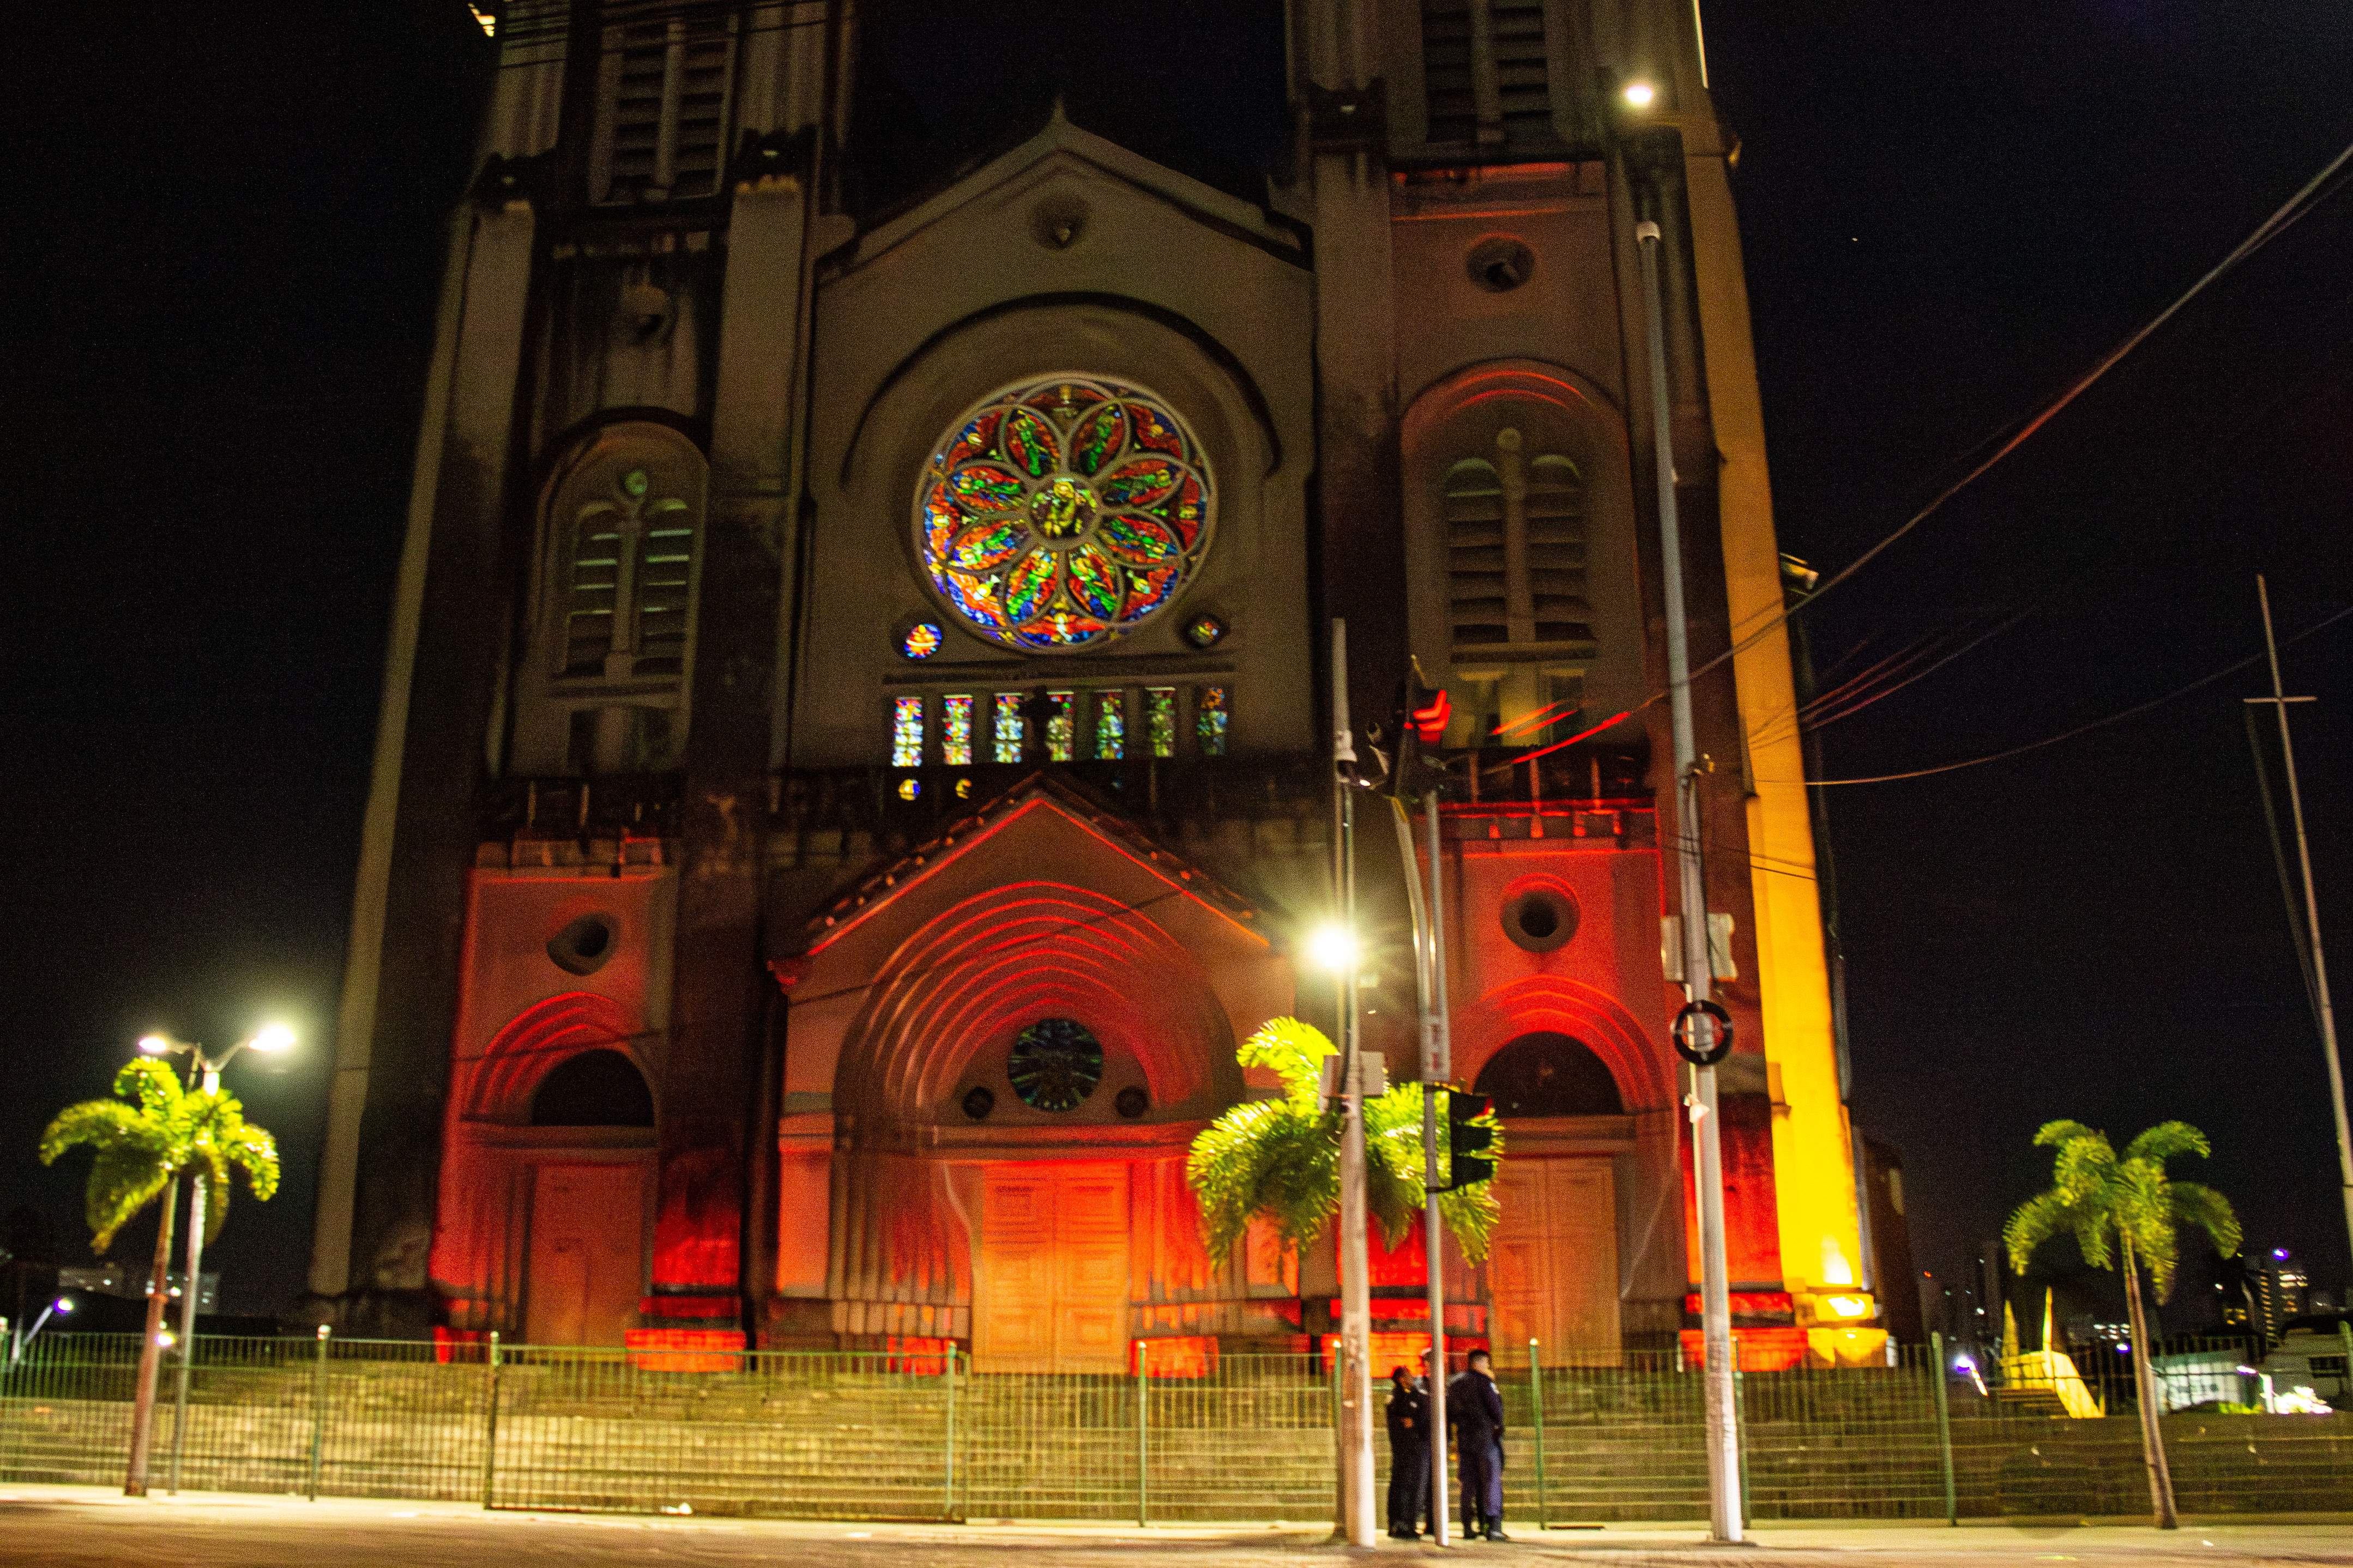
587,1254
1553,1275
1014,1288
1050,1293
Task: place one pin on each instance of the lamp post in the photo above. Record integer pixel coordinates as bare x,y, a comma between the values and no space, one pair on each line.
269,1041
21,1344
1357,1468
1715,1303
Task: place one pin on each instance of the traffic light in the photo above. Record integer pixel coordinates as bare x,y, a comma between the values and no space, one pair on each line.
1468,1139
1427,709
1423,711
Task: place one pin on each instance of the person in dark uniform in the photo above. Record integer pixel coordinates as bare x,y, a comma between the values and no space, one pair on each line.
1409,1415
1474,1409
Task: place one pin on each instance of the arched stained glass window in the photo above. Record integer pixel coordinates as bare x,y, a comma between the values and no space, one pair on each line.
1063,513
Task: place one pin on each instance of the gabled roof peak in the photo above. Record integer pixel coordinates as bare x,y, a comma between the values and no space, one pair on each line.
1038,789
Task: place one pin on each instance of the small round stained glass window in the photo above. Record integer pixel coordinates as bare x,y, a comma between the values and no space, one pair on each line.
920,641
1064,513
1056,1065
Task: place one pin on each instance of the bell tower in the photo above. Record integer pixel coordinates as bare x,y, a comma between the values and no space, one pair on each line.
1476,169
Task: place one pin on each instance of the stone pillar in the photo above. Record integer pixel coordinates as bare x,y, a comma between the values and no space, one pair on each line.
713,1123
376,1178
1360,536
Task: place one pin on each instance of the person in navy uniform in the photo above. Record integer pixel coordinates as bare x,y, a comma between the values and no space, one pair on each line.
1474,1409
1409,1414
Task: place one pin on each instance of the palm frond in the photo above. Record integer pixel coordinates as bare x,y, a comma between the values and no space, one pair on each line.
255,1152
2034,1221
2202,1206
123,1180
2166,1139
1278,1159
2053,1132
153,1084
1472,1214
100,1122
1271,1157
1295,1051
2085,1165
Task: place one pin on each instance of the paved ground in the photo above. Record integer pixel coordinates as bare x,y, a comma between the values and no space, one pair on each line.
68,1527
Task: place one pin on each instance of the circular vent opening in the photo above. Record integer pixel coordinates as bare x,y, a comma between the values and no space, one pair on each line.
1501,264
585,945
1540,919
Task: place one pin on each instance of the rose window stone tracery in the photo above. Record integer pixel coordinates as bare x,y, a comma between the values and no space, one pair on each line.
1063,513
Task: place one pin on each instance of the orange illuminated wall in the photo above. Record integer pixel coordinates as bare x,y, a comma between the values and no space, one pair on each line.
685,1350
1752,1227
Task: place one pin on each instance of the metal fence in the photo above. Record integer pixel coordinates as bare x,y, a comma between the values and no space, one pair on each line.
922,1436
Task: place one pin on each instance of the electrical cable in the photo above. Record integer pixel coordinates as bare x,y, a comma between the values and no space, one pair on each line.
2131,713
2286,214
1848,709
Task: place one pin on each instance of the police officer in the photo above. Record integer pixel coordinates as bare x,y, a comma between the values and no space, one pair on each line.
1409,1414
1474,1409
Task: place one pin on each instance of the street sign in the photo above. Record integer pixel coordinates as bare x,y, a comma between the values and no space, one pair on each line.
1702,1048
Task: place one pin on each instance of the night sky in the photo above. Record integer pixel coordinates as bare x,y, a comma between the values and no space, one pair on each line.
222,261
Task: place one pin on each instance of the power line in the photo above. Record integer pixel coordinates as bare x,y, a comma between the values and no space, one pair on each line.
2096,723
2271,228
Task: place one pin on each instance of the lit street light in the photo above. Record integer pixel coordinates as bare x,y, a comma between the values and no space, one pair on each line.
18,1346
269,1041
1332,948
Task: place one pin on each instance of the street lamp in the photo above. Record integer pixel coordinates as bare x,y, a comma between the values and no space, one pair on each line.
270,1040
1641,93
1334,947
17,1347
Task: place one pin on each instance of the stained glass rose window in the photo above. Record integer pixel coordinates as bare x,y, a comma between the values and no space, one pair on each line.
1063,513
1055,1065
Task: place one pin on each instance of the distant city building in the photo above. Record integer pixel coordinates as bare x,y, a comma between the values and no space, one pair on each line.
1887,1241
2263,1288
2280,1286
113,1279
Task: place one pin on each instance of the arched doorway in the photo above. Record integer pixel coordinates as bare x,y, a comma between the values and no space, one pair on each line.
1553,1275
587,1219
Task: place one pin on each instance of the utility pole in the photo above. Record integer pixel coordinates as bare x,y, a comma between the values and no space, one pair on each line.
193,1289
1436,1068
2325,1010
1716,1301
1355,1286
1429,993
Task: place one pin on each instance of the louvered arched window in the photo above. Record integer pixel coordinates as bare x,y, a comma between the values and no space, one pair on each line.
628,579
1515,553
625,522
606,688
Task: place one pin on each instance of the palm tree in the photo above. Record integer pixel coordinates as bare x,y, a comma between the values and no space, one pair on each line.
2128,1203
1280,1159
142,1148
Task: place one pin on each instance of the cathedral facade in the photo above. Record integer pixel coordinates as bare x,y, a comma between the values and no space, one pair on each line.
854,757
